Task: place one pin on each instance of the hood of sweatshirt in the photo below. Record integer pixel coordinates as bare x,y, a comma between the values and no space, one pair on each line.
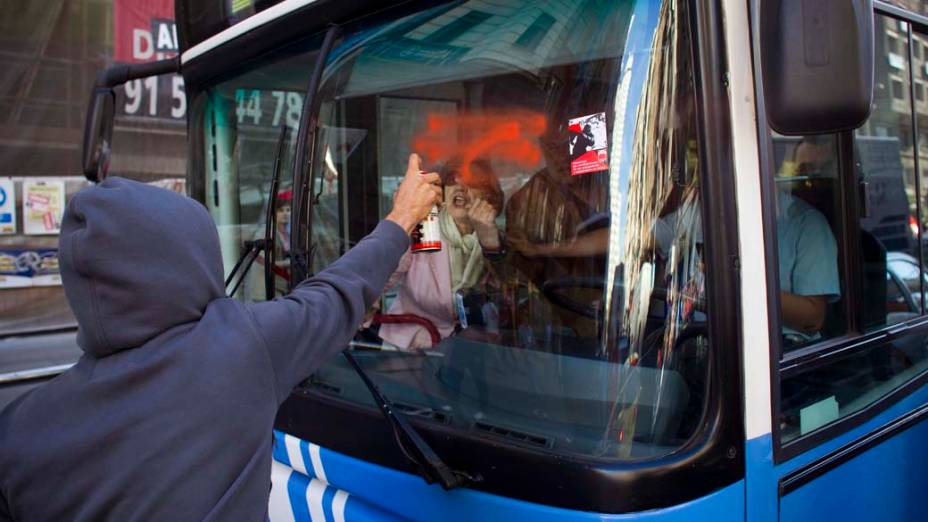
136,260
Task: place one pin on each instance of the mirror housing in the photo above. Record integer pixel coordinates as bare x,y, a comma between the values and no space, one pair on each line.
98,127
817,58
98,134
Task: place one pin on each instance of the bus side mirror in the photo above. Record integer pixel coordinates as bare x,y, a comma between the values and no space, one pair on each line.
817,58
98,128
98,134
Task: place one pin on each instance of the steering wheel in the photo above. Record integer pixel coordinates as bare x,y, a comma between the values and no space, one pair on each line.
552,290
690,363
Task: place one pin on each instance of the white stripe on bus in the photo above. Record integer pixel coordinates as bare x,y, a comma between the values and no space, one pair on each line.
316,458
246,25
314,494
756,342
338,505
294,454
279,508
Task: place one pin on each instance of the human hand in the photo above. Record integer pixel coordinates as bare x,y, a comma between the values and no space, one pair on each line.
525,247
416,196
482,214
482,217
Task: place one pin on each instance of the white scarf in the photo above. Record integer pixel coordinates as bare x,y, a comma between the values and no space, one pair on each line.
464,254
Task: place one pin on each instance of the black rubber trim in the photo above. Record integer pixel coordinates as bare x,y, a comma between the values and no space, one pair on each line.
825,353
768,218
723,265
305,139
801,476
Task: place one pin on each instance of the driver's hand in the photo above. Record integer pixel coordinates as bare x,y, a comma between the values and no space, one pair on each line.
524,246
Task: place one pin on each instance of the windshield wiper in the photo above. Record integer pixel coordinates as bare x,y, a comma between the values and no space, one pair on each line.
250,248
413,446
270,221
430,465
253,248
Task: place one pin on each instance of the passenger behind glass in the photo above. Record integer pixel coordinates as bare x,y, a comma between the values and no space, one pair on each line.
429,281
553,208
807,250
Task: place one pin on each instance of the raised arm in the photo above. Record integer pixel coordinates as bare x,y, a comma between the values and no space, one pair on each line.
318,318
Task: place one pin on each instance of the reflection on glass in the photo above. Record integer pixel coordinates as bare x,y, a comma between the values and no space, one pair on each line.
238,123
920,73
886,165
566,307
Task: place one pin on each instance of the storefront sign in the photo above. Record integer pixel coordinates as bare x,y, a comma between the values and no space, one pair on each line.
43,207
23,268
145,31
7,207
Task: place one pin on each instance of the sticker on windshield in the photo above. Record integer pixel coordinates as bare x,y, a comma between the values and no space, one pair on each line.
588,144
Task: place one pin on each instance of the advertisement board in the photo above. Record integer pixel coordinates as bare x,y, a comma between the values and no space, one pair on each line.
23,268
7,207
144,31
43,206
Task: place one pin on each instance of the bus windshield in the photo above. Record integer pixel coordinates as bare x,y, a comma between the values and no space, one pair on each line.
235,126
565,309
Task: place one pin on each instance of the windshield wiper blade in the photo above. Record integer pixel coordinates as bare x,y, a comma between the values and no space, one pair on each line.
270,233
250,248
420,453
270,221
430,465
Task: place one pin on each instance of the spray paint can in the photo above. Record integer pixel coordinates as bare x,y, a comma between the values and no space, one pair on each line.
426,237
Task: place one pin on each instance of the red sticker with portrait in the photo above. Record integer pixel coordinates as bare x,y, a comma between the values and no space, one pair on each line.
587,144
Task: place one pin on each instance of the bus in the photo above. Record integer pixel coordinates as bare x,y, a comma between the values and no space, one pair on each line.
696,290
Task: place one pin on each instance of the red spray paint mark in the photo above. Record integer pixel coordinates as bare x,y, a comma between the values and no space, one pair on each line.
508,136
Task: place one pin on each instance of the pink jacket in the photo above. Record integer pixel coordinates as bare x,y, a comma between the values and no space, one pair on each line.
425,290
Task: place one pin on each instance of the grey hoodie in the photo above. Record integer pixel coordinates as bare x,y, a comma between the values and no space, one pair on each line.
168,414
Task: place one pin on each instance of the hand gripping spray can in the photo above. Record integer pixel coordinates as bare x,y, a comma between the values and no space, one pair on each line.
426,237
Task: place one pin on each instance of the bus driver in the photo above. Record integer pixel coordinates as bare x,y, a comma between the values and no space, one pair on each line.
806,248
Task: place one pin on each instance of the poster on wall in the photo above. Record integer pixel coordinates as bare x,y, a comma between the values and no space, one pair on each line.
43,207
22,268
7,207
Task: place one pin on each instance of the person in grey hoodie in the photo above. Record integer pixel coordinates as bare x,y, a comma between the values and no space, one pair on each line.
168,413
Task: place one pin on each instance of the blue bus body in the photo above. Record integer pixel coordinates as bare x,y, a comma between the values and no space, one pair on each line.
858,481
632,351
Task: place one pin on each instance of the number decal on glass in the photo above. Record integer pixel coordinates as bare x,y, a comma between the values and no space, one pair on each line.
286,107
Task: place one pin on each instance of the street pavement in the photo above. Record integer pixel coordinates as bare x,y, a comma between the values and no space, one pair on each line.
22,355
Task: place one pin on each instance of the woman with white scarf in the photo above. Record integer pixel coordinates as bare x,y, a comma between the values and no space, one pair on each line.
429,281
